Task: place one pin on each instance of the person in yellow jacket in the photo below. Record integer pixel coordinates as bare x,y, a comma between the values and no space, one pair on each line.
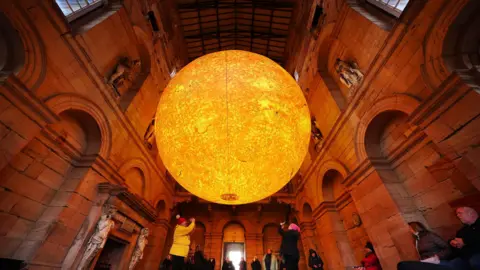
181,242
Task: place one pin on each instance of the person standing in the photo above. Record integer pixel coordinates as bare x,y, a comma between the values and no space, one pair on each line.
181,242
167,263
211,263
269,261
243,264
289,249
314,261
256,265
227,264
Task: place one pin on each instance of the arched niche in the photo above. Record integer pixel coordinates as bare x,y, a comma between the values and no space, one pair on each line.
12,52
307,212
234,232
78,130
271,238
461,46
332,187
386,132
135,180
197,238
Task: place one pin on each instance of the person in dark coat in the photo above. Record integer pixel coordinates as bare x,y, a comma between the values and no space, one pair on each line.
314,261
412,265
430,246
167,263
243,264
227,264
256,265
288,248
211,263
467,239
199,261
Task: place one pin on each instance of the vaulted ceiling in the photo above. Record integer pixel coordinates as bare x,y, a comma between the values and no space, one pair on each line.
259,26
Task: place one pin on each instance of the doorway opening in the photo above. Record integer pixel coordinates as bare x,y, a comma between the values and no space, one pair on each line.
111,254
235,252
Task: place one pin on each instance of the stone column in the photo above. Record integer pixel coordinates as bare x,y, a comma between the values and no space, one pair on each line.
253,246
213,247
152,257
335,247
385,209
308,238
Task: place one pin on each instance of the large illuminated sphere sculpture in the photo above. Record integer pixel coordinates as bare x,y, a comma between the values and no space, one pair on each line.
232,127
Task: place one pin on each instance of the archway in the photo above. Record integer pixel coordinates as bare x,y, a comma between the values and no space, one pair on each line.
197,239
135,180
234,243
271,239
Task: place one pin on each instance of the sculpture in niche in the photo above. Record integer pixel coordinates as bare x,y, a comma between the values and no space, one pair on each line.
123,75
316,135
99,237
138,252
149,137
350,75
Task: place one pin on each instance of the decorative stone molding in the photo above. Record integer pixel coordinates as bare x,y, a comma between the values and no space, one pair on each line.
133,201
323,208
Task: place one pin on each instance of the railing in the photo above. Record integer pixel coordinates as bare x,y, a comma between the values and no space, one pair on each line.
394,7
73,9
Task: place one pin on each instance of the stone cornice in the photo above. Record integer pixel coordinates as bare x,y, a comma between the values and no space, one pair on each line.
323,208
133,201
344,200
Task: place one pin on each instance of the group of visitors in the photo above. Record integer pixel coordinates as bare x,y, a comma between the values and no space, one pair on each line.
459,253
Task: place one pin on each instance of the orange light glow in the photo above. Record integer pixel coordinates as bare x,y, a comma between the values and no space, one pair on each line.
232,127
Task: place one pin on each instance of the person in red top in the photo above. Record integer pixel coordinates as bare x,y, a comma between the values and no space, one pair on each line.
370,262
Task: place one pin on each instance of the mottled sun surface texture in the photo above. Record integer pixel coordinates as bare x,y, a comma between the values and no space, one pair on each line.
232,127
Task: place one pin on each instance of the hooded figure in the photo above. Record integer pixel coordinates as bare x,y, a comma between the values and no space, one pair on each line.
289,248
200,263
314,261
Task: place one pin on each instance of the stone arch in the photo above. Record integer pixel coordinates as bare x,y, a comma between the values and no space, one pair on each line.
400,102
25,50
198,236
162,209
443,48
271,238
328,165
62,102
461,47
307,212
137,169
168,203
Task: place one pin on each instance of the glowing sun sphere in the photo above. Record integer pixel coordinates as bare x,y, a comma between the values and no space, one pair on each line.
232,127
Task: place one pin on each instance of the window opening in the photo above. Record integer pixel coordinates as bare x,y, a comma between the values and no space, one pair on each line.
394,7
74,9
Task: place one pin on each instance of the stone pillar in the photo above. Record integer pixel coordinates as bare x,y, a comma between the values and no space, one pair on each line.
253,246
213,247
152,257
308,238
385,209
335,247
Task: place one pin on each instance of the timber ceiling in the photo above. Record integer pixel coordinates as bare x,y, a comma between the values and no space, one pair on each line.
259,26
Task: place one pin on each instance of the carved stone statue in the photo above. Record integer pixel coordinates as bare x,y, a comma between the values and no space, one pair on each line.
316,135
123,75
99,237
149,137
138,252
350,74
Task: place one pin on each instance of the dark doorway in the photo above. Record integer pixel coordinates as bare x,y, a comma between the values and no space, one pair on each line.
234,251
111,255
